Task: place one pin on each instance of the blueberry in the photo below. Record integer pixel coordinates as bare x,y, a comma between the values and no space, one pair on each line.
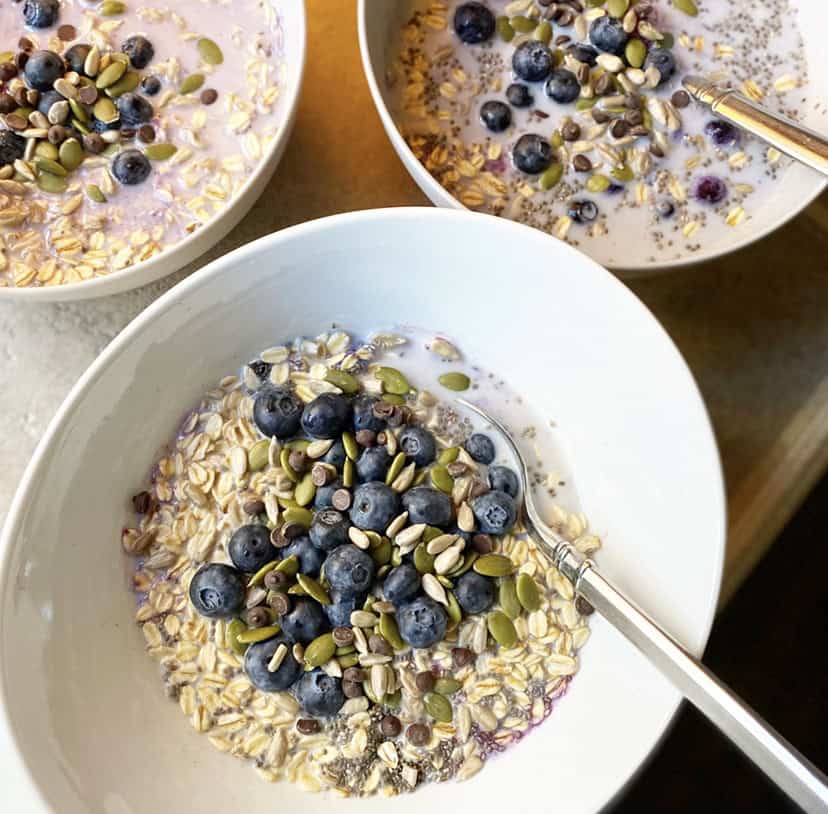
496,116
401,584
364,418
335,456
76,56
721,133
582,211
217,591
495,512
150,85
607,34
349,570
427,505
131,167
474,592
42,68
139,50
277,412
532,154
47,99
135,110
563,86
309,556
341,607
583,53
532,61
422,623
473,23
101,127
319,694
12,147
250,548
519,95
329,529
662,59
305,622
665,209
325,416
480,447
710,189
323,499
418,445
40,13
503,479
256,661
375,506
373,464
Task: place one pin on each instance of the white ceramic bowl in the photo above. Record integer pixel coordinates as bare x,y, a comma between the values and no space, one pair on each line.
379,20
204,238
82,704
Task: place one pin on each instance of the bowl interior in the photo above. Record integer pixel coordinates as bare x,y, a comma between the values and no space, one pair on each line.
381,20
85,705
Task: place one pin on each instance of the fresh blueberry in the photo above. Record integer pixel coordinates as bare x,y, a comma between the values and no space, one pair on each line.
364,418
721,133
101,127
503,479
710,189
131,167
519,95
532,154
496,116
305,622
217,591
607,34
665,209
47,99
481,448
135,110
309,556
583,53
139,50
150,85
418,445
425,504
582,211
319,694
76,56
614,188
495,512
373,464
329,529
341,607
325,416
375,506
422,622
563,86
250,548
335,456
401,584
256,661
277,412
40,13
474,592
532,61
323,499
12,147
473,23
42,68
662,59
349,570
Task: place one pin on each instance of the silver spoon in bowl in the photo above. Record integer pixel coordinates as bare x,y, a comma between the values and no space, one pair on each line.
800,779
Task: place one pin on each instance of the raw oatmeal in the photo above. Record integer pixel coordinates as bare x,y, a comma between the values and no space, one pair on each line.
569,115
332,574
125,126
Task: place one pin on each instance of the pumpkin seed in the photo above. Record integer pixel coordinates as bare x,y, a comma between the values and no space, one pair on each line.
586,104
344,381
543,33
390,632
453,609
392,398
258,577
80,126
635,53
392,380
423,561
51,183
527,593
505,30
350,444
258,634
160,152
345,650
447,686
467,562
348,473
667,41
556,139
382,553
301,444
297,590
104,110
71,154
94,192
209,51
47,165
313,589
420,477
110,8
369,691
396,467
551,177
455,381
128,82
191,83
109,75
394,700
396,557
687,6
257,455
284,461
374,537
46,149
320,650
289,565
441,479
493,565
305,490
508,599
287,503
235,628
597,182
448,455
430,533
502,629
438,707
623,174
523,25
349,660
300,515
111,151
617,8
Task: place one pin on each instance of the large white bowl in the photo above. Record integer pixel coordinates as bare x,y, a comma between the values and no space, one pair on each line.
204,238
83,709
379,20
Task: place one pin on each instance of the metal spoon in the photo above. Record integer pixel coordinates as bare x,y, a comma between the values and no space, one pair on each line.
792,772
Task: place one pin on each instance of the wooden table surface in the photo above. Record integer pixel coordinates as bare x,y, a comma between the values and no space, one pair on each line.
752,327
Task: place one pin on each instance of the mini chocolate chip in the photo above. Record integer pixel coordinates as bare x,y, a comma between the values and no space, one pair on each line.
8,70
633,101
681,98
366,438
478,488
254,507
397,418
603,84
355,674
67,33
258,617
378,644
656,151
418,734
583,607
424,681
291,531
93,143
619,128
382,437
562,39
390,726
142,502
462,656
341,499
633,117
208,96
146,133
570,131
150,85
307,726
297,460
57,134
600,116
280,602
20,59
352,689
382,409
7,103
25,44
639,130
276,580
457,469
278,538
322,474
581,163
483,544
342,636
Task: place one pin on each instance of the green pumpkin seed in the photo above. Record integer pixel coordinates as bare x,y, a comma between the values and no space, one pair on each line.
80,126
505,30
438,707
111,151
551,177
594,3
392,381
297,590
667,41
448,455
160,152
455,381
556,140
104,110
441,479
543,33
51,183
368,603
444,581
305,490
396,467
502,629
191,83
493,565
374,537
110,8
635,53
47,165
287,503
617,8
257,455
369,691
464,565
349,660
289,565
687,6
597,182
234,629
586,104
110,75
95,194
284,462
344,651
527,593
508,599
313,589
258,577
71,154
351,448
396,557
455,613
423,561
523,25
348,473
648,119
420,477
258,634
392,398
300,515
381,555
623,174
301,444
128,82
447,686
209,51
394,700
6,56
430,533
320,650
46,149
344,381
390,632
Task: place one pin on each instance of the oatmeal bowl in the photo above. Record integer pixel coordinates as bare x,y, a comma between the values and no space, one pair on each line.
134,136
570,116
262,551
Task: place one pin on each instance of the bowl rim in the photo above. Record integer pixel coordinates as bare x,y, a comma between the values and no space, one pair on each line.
173,298
441,197
153,269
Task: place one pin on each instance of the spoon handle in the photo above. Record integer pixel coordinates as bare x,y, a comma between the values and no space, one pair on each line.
796,141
